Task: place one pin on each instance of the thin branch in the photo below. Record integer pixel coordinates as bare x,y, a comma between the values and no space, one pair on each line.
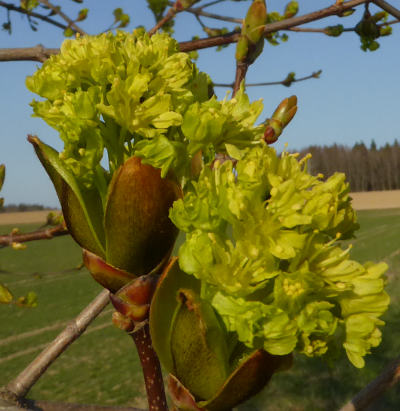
8,54
47,19
58,11
169,16
271,83
241,70
388,8
273,27
20,386
212,3
199,11
151,369
389,377
345,29
37,53
57,231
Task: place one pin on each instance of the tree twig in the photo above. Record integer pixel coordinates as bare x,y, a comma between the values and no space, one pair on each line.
389,377
186,46
271,83
37,53
241,70
388,8
198,11
169,16
20,386
58,11
57,231
151,369
47,19
273,27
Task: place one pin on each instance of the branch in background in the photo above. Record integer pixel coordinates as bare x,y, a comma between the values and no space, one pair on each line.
169,16
37,53
241,71
271,28
20,386
198,11
365,398
388,8
47,19
186,46
284,82
58,11
10,239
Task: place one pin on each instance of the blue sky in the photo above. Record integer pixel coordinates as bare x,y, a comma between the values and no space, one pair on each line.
354,100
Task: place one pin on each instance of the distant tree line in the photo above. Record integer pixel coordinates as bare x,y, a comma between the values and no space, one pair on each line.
367,169
12,208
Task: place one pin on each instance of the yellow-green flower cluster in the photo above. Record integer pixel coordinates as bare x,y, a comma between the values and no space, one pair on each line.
111,91
263,238
131,94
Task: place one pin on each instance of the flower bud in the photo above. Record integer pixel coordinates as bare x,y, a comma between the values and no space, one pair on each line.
255,21
282,116
138,231
207,371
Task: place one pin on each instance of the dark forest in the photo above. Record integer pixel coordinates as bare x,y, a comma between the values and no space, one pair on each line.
366,168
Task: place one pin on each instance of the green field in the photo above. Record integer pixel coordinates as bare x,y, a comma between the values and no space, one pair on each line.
102,366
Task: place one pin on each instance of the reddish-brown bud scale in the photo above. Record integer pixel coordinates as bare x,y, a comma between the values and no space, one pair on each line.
269,135
122,322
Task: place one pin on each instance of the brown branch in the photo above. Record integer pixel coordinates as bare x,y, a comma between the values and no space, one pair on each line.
241,70
271,83
57,231
273,27
388,8
58,11
20,386
389,377
199,11
37,53
8,55
151,369
47,19
169,16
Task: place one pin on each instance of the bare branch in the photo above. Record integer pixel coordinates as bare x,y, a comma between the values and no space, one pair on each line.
273,27
20,386
47,19
388,8
169,16
389,377
241,70
212,3
37,53
315,74
59,230
198,11
58,11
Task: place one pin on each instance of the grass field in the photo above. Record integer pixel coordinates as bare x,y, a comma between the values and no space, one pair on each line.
102,366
